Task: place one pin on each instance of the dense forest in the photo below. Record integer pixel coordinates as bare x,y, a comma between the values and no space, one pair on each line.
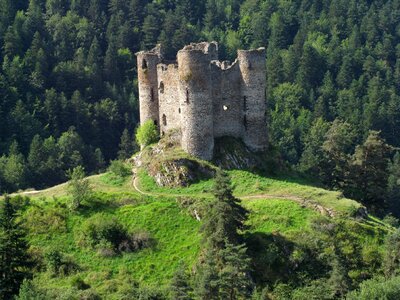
69,95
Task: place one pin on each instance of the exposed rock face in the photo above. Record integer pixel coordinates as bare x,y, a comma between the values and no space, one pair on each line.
171,167
179,172
205,98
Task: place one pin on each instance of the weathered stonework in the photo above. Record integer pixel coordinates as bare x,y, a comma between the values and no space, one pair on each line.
205,98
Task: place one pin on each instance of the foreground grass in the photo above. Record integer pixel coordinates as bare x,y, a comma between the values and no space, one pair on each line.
176,234
247,184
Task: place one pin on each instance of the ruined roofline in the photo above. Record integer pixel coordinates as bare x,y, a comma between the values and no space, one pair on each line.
224,65
157,50
207,48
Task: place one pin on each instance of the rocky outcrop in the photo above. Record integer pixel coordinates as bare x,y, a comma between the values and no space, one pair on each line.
170,166
179,172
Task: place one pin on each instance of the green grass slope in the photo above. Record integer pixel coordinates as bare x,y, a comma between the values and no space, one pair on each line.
281,209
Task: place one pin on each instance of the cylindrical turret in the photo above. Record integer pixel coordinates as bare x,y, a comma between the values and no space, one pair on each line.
148,86
196,102
253,70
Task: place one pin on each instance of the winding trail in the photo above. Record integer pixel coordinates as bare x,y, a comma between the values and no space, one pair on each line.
302,201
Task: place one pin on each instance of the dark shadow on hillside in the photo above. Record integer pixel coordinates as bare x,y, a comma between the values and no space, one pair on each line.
232,154
277,259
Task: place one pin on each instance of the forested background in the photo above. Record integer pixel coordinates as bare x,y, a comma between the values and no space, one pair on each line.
68,90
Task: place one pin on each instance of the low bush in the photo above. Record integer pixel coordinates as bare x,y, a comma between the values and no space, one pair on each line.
109,237
119,168
58,264
78,283
147,133
45,219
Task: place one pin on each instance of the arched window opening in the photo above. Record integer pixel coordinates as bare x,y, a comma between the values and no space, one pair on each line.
179,110
164,120
144,64
187,96
151,95
161,87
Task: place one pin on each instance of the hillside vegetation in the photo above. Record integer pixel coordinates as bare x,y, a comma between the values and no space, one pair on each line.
291,229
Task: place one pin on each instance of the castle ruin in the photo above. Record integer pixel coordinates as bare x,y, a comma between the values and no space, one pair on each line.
203,97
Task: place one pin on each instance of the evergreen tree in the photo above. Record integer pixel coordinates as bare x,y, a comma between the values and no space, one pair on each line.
180,286
393,186
14,260
338,146
225,217
369,171
126,146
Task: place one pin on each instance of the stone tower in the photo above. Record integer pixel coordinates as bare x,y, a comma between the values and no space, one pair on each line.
148,81
253,70
195,100
205,98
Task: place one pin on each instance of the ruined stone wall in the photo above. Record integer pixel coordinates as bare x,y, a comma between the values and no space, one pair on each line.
196,103
168,94
253,84
205,98
227,106
147,78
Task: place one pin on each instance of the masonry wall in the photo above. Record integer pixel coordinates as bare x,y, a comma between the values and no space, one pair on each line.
205,98
253,84
148,82
227,104
168,94
196,103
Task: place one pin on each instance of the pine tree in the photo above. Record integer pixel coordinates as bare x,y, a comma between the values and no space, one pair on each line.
14,260
225,217
125,146
224,273
338,146
369,171
393,185
180,286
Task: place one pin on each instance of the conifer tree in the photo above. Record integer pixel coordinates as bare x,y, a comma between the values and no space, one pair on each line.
126,145
14,260
180,286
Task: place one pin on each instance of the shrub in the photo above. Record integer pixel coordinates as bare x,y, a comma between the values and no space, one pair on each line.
102,228
45,219
147,133
78,187
78,283
377,288
29,291
105,234
119,168
58,264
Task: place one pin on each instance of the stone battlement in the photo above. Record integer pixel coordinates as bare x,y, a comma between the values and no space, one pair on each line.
203,97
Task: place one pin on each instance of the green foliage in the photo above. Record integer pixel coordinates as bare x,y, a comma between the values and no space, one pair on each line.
391,262
120,168
15,262
180,284
224,273
58,264
29,291
78,187
377,288
109,237
147,133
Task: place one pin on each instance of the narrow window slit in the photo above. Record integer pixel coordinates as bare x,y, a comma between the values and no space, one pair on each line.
151,95
187,96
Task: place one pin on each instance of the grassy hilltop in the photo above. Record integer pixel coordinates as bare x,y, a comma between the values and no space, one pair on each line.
285,233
